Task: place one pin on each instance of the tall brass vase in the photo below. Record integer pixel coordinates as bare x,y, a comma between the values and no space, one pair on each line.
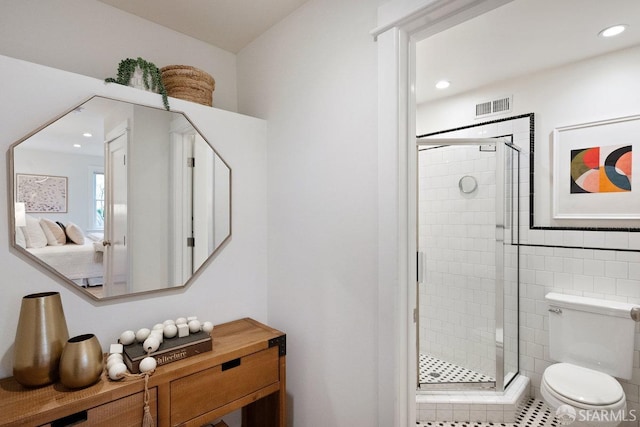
40,338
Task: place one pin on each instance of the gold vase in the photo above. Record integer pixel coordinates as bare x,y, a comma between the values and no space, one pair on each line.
40,337
81,361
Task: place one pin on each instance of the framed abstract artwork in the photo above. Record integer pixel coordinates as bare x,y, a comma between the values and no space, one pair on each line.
593,171
42,193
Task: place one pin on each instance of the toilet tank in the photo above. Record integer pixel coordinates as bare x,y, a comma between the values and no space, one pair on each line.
592,333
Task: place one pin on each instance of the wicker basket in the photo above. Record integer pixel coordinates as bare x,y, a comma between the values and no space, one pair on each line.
188,83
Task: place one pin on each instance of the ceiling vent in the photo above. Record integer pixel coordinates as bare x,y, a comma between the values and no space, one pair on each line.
497,106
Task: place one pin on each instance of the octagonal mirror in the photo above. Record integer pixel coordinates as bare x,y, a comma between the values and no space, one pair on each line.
116,199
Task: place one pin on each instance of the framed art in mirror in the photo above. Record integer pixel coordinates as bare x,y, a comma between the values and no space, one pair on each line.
42,193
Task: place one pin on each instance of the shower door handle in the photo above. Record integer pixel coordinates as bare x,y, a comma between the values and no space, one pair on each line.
420,267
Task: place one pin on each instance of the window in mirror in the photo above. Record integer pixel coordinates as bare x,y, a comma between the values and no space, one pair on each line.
149,198
97,202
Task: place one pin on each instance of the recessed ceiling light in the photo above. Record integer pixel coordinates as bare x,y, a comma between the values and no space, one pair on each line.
87,135
612,31
77,145
443,84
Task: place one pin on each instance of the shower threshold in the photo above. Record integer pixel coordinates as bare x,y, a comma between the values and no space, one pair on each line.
437,374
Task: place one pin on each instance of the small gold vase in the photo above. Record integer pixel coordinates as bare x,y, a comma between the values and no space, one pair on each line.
40,337
81,361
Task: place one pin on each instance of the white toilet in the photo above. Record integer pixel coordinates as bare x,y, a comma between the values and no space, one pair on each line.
594,341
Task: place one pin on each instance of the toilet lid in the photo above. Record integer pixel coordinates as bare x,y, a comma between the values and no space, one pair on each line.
583,385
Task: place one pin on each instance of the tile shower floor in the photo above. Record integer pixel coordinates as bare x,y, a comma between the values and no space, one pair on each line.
534,413
436,371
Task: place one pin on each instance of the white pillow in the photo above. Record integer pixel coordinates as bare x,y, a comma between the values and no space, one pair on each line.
34,236
20,240
74,233
55,235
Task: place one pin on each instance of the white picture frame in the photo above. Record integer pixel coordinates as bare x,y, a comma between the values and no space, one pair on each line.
610,203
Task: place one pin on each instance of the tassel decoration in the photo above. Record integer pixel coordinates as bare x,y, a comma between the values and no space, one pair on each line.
147,420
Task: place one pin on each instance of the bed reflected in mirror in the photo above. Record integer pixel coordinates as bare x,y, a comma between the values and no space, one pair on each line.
117,198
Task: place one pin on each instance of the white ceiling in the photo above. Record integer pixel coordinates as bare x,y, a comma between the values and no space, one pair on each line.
227,24
61,135
519,38
522,37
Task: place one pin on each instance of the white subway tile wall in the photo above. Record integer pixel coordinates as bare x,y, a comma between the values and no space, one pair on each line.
457,236
606,274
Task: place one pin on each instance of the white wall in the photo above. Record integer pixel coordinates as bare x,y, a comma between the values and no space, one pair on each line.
313,77
231,287
148,194
90,38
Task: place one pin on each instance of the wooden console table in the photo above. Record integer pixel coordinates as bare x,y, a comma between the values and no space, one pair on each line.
246,369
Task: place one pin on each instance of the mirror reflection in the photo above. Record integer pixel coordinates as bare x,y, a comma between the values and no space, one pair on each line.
118,198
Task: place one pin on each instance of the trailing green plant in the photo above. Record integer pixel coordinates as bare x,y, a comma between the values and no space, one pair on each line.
151,76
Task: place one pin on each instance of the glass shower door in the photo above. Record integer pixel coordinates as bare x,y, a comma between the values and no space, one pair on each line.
466,217
510,260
